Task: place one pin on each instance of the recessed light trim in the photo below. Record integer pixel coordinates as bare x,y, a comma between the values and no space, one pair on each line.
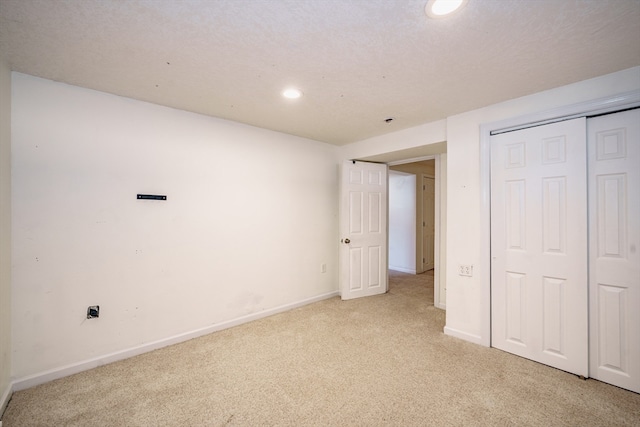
438,9
292,93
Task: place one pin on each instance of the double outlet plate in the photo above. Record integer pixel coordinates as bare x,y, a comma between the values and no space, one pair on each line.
466,270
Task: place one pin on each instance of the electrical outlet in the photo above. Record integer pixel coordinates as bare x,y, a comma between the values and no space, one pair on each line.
93,311
466,270
323,268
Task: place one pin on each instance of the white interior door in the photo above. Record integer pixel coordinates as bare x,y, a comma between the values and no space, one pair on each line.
614,251
539,244
363,228
428,222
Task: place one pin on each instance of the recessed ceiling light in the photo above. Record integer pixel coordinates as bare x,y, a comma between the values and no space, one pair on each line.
441,8
292,93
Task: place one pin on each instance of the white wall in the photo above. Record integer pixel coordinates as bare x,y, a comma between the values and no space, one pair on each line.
402,222
5,233
250,217
403,140
467,227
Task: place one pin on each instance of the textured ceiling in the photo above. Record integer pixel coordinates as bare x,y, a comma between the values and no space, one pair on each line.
357,62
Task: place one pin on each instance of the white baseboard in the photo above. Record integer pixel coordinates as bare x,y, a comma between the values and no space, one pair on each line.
64,371
402,270
476,339
441,306
4,399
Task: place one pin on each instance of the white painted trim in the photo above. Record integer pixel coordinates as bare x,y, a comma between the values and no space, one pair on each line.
53,374
476,339
568,112
412,160
401,173
4,400
421,189
437,225
402,270
589,108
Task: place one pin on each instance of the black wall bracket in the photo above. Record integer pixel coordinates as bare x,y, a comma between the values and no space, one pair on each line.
151,197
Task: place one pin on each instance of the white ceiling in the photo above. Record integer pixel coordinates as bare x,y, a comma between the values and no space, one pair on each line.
357,61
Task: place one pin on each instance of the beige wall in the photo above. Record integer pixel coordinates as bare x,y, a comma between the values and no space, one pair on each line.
427,167
5,232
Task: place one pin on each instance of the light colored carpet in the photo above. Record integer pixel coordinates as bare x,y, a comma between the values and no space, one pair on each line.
369,362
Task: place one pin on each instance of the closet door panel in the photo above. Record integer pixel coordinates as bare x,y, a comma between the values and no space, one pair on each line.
614,263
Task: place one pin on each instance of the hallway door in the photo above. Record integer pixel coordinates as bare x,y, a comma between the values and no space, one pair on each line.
363,228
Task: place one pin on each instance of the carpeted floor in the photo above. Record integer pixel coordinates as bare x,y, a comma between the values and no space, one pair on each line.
377,361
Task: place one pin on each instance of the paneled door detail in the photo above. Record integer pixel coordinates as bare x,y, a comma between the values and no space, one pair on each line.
363,228
539,282
614,255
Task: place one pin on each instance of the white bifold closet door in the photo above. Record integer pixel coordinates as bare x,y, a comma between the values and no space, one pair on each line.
539,303
614,248
565,225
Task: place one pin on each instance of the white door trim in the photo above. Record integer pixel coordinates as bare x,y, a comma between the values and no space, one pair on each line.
589,108
413,160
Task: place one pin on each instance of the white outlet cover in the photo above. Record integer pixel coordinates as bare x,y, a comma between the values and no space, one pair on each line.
466,270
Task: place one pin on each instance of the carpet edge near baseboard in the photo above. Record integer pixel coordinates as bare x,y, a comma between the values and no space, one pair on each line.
4,400
71,369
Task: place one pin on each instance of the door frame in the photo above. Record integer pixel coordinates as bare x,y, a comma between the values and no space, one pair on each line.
437,220
590,108
424,176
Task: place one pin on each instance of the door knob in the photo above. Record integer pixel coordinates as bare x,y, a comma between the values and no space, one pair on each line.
347,241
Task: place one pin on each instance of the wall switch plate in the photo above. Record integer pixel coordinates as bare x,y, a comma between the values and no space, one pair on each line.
323,268
466,270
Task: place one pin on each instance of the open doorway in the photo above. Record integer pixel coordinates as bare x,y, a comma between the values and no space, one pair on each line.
413,214
438,152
